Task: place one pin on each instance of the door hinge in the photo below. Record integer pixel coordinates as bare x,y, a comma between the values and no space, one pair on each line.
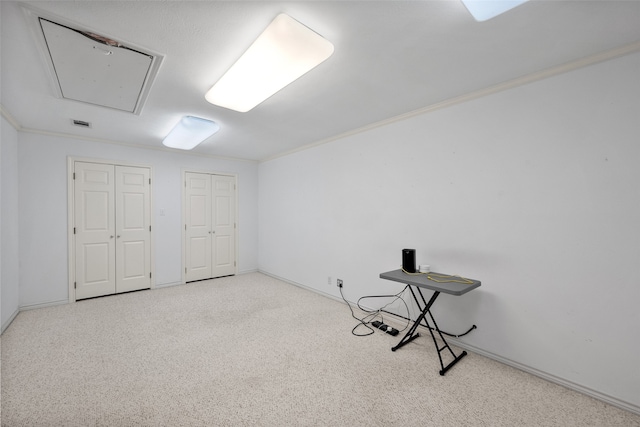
74,285
185,227
149,181
185,270
234,263
74,175
149,275
74,230
149,228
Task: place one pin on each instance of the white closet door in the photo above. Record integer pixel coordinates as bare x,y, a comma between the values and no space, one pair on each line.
198,226
94,230
133,229
224,216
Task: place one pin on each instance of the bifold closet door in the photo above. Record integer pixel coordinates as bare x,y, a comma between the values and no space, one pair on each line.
133,229
210,227
223,221
112,218
198,226
94,217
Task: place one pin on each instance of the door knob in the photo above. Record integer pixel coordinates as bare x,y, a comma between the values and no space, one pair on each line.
111,237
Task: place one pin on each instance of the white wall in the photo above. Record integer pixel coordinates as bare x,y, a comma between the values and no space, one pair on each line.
9,279
43,209
534,191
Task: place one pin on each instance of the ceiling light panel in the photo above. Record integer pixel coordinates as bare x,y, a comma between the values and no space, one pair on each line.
189,132
483,10
285,51
97,70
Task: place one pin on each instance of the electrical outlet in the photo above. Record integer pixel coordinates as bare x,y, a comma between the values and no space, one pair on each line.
339,281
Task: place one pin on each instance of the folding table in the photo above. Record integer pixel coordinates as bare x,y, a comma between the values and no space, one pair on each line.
437,282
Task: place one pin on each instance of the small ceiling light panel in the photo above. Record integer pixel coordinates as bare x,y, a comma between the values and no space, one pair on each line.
285,51
483,10
189,132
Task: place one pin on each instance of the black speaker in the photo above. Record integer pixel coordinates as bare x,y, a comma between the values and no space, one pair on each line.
409,260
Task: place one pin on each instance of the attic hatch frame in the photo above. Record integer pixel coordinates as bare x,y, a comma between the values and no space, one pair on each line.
34,17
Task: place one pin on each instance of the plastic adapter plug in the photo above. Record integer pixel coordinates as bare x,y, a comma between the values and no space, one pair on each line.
392,331
386,328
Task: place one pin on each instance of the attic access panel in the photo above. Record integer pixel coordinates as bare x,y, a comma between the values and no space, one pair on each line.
97,70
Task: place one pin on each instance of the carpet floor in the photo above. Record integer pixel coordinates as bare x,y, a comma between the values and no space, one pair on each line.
251,350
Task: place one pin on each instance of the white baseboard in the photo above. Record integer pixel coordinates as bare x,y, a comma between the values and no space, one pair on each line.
6,324
42,305
300,285
398,321
627,406
168,285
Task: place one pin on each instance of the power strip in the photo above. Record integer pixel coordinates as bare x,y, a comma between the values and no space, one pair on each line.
388,329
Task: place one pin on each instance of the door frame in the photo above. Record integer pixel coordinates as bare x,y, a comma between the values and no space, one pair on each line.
184,216
71,258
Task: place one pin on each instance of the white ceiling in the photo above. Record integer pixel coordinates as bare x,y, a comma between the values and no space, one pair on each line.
391,58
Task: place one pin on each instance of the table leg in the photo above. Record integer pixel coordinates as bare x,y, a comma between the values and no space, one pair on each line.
456,359
412,334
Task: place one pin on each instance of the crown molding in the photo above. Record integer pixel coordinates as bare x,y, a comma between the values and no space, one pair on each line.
12,121
20,128
510,84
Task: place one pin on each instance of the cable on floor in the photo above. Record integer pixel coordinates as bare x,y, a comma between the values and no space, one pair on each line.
373,314
361,321
378,312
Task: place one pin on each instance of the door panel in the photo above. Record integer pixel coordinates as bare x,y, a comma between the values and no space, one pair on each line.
94,214
199,259
135,256
96,208
133,231
224,206
199,210
223,249
198,226
96,263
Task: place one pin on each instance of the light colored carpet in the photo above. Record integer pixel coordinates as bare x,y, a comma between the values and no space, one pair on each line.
250,350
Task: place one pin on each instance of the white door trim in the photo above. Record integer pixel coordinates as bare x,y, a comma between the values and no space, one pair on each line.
184,215
71,220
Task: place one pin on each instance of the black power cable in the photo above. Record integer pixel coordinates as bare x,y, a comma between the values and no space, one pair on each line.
377,312
433,329
362,322
372,314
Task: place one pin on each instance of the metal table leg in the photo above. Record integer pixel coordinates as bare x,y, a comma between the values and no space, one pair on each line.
412,334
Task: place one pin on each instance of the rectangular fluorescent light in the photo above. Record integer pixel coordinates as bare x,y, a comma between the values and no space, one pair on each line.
483,10
284,51
189,132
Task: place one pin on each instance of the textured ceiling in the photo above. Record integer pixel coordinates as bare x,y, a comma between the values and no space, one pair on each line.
391,58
